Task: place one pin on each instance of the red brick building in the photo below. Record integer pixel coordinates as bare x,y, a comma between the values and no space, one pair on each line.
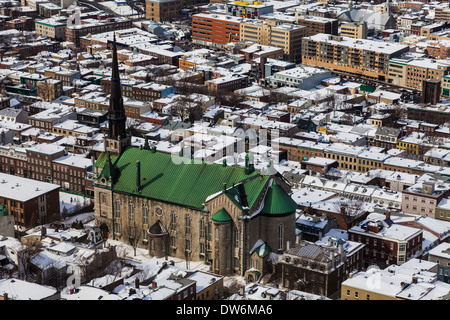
215,29
386,242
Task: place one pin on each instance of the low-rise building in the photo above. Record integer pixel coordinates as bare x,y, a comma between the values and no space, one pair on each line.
423,197
30,202
415,280
209,286
313,268
303,77
441,256
442,211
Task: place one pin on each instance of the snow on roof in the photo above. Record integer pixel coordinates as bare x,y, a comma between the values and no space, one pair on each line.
442,250
74,160
45,148
395,231
204,279
361,44
86,292
306,196
23,189
23,290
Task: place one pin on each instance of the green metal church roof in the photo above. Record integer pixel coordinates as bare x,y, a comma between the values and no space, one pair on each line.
187,184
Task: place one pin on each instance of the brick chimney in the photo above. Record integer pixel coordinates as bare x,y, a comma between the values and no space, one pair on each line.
388,214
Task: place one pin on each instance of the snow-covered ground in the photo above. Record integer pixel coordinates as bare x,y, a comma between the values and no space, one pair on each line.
126,251
72,202
87,218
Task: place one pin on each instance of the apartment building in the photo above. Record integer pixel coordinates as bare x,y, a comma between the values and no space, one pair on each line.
386,137
313,268
412,72
386,243
228,83
54,27
351,56
73,128
413,280
430,114
98,101
71,171
441,13
274,33
93,26
298,150
47,118
166,10
40,159
49,89
439,49
423,197
214,29
148,91
13,160
315,25
65,75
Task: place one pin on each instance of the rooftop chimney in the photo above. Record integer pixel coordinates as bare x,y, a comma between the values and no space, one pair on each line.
138,175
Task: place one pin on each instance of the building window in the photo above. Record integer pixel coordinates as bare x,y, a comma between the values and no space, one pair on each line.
144,214
187,221
130,212
280,237
202,227
117,209
173,221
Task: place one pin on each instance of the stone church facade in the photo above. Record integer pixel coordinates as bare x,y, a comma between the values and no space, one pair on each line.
194,211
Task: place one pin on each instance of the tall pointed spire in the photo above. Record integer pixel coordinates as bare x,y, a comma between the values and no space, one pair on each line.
116,114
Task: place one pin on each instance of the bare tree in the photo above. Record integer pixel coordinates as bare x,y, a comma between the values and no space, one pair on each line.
187,109
132,236
28,251
398,114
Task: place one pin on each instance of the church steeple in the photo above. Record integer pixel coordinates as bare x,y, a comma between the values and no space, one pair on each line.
117,138
116,115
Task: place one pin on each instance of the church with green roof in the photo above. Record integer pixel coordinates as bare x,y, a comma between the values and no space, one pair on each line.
179,207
